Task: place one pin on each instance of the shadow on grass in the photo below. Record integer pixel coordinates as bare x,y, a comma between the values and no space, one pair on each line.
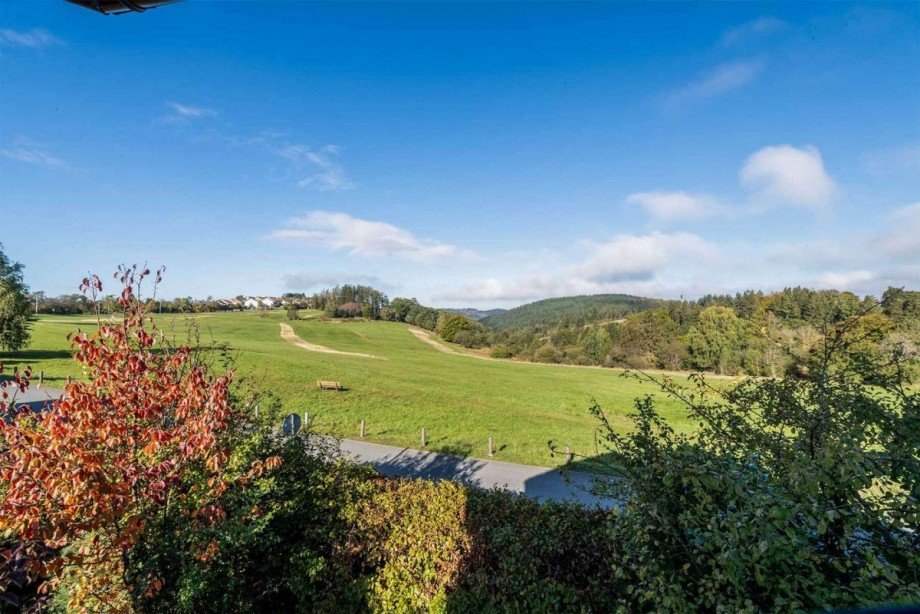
27,356
602,464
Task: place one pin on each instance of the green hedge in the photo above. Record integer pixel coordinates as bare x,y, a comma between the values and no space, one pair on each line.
334,537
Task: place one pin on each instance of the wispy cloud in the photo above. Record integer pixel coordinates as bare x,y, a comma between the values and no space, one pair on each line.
340,231
787,175
30,39
893,160
185,112
720,80
31,153
751,30
677,205
327,173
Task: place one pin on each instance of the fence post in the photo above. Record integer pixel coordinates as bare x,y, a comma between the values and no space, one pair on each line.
306,421
491,449
423,437
68,380
41,378
568,454
362,429
257,410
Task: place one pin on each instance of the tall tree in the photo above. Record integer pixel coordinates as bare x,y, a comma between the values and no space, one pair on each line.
716,337
15,307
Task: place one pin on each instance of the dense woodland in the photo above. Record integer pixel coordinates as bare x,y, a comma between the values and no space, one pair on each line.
587,308
751,333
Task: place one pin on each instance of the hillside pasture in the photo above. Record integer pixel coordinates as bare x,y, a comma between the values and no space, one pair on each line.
460,400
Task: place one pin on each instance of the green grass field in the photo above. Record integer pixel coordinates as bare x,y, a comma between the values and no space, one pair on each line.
460,400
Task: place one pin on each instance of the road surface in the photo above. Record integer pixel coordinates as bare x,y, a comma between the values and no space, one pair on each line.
540,483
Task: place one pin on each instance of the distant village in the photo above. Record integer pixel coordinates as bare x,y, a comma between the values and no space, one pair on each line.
79,304
253,302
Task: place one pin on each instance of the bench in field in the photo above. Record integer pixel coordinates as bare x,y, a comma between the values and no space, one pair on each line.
324,385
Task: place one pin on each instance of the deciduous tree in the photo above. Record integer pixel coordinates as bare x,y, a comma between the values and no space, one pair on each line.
15,307
150,428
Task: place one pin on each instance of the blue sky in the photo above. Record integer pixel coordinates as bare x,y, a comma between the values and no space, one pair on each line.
466,154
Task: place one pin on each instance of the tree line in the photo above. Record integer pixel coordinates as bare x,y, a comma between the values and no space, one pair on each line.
749,333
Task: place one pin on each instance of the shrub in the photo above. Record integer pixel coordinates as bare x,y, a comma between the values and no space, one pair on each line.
450,324
537,557
348,310
501,351
546,353
467,339
411,541
149,429
794,494
280,547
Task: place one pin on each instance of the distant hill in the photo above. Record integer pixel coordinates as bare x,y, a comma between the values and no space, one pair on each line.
475,314
578,308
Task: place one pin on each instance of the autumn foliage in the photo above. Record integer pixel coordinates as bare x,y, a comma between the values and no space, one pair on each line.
149,429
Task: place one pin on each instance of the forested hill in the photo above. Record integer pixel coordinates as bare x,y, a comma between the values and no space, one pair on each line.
575,308
473,313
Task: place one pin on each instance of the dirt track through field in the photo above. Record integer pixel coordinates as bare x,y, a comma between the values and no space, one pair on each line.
424,336
288,334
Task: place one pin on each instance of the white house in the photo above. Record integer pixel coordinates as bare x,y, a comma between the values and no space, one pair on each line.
251,303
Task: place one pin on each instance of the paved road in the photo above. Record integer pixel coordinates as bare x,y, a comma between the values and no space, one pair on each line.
35,397
540,483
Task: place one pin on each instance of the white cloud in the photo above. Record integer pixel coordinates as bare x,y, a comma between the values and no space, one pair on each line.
786,175
847,280
329,175
31,39
340,231
640,257
634,264
36,156
187,112
675,205
721,80
752,30
819,253
669,265
902,240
